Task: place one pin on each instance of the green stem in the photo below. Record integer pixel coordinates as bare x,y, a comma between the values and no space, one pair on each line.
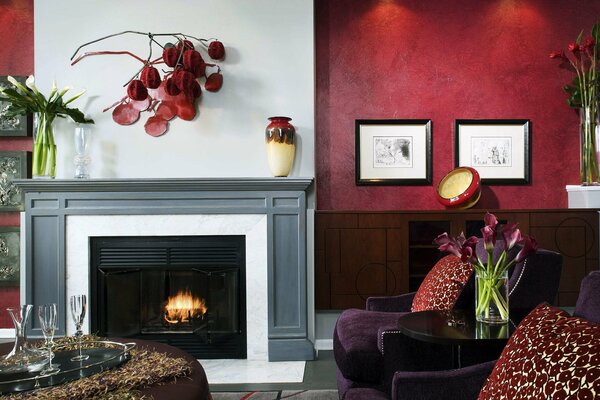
44,148
489,294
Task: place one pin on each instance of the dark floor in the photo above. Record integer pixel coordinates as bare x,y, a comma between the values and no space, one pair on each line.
318,374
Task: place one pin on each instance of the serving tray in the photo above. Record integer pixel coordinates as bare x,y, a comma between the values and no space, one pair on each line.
103,354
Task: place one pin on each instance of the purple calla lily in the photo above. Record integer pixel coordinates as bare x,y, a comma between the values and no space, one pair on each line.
512,235
530,246
489,238
490,220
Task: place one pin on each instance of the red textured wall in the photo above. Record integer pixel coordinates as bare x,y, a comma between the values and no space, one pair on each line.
445,60
16,58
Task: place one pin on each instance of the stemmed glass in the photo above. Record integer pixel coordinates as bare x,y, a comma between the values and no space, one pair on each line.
47,315
78,307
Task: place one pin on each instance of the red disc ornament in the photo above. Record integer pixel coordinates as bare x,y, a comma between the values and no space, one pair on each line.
460,188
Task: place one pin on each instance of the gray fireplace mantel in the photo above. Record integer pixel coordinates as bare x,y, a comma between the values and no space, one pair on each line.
282,200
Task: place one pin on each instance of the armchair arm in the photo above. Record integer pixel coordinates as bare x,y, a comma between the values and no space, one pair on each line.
460,384
400,303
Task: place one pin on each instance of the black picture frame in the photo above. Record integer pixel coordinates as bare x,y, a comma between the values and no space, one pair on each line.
10,257
499,149
13,165
393,152
14,126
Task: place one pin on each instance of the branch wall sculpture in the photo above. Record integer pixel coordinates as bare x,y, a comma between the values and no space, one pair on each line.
176,91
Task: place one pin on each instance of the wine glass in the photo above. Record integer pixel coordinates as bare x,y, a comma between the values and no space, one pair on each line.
78,307
47,315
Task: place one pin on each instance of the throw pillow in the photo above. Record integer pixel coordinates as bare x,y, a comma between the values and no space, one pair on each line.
550,356
442,285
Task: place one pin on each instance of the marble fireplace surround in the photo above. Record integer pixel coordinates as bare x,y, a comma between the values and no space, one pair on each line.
61,215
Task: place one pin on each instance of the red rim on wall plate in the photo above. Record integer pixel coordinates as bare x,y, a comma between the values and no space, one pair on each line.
460,188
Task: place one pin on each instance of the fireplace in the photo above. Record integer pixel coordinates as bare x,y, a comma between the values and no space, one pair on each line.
62,215
187,291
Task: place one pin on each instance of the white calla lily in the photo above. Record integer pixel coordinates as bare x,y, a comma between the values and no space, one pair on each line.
53,91
16,83
63,91
78,95
30,83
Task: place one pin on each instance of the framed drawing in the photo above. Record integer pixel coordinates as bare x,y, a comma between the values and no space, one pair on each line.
393,152
13,126
499,149
9,256
13,165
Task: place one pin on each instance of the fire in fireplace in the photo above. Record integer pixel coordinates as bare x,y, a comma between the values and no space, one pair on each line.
187,291
184,308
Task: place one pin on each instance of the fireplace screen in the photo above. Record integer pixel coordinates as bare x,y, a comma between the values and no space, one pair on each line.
185,291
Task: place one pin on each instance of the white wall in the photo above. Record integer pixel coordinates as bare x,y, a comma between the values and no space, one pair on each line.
269,70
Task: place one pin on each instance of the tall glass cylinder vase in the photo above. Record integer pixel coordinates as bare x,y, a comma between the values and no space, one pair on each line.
491,297
83,135
589,129
44,148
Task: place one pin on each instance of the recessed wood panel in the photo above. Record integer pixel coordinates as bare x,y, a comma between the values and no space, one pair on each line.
377,254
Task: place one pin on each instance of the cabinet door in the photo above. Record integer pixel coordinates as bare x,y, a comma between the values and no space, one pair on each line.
422,253
575,236
362,270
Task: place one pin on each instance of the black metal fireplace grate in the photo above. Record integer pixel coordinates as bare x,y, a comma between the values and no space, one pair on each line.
187,291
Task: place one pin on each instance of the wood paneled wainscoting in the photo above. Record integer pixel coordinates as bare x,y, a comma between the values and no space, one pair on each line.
361,254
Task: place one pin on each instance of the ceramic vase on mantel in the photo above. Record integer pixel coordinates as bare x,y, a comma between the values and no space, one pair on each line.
281,147
44,148
589,129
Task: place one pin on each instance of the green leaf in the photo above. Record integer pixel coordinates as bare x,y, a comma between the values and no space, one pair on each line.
578,41
76,115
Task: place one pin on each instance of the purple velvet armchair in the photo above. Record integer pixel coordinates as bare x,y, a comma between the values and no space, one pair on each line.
466,383
369,350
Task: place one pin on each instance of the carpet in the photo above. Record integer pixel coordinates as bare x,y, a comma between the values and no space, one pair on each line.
278,395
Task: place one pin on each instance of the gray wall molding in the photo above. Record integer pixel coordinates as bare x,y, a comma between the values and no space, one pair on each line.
282,200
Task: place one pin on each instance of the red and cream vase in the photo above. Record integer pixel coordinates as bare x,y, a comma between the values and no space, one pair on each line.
281,145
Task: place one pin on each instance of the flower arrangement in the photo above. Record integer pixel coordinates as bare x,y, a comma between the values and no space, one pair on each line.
490,275
27,98
583,91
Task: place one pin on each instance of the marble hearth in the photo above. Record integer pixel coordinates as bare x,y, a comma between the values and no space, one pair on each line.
61,215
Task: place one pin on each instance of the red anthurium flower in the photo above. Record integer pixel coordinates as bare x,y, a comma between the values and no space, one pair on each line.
512,236
558,54
589,44
530,246
574,48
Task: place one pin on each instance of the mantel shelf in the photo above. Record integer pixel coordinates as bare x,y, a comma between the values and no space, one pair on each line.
163,184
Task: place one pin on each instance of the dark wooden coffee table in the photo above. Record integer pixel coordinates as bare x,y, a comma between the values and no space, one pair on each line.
458,328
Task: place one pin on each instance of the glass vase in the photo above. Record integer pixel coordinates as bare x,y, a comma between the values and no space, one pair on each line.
589,129
491,297
44,148
82,158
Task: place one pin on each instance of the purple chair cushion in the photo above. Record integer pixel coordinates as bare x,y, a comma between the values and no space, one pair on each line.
355,343
365,394
588,303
